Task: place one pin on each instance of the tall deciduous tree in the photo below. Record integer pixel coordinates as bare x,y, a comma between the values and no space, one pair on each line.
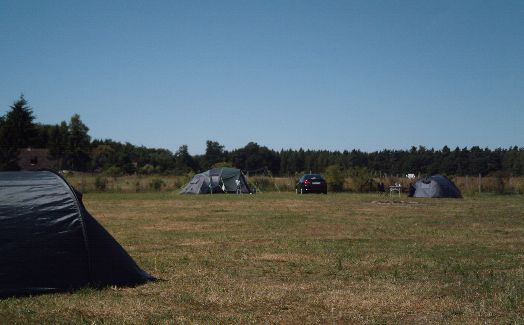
58,142
214,154
79,144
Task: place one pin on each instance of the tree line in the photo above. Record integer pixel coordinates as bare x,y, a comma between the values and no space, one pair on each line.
71,146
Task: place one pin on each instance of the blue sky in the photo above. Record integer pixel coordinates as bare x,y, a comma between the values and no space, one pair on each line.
329,75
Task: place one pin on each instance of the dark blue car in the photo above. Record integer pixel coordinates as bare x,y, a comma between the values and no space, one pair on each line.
311,183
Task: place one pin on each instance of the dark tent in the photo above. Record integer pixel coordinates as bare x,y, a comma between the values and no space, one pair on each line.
217,180
49,242
436,186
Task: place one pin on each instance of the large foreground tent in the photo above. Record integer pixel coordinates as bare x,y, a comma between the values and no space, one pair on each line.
49,242
436,186
217,180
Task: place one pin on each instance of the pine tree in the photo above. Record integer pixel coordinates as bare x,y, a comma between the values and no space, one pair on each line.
17,131
184,163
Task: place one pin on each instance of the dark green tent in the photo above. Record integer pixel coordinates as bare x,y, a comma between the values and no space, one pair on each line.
217,180
49,242
436,186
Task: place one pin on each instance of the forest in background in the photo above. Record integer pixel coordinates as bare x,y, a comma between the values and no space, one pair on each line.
71,146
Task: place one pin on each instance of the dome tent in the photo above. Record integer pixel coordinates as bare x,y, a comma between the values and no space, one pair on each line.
436,186
217,180
49,242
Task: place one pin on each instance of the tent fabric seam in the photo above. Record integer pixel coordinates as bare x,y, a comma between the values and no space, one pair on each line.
82,221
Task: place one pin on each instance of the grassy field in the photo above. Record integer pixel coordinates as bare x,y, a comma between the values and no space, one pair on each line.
282,258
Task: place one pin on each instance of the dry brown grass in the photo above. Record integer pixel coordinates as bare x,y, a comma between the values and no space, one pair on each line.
317,259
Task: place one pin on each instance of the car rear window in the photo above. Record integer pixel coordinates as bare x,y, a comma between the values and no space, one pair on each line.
313,176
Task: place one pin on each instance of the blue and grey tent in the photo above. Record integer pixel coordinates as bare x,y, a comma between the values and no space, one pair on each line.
49,242
217,180
436,186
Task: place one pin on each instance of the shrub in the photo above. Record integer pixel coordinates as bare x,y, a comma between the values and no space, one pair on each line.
113,171
221,164
361,179
157,184
518,186
500,187
189,176
147,169
501,183
334,178
100,183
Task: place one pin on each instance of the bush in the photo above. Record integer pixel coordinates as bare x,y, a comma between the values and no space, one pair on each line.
100,183
361,179
147,169
518,186
113,171
334,178
502,183
221,164
189,176
157,184
500,186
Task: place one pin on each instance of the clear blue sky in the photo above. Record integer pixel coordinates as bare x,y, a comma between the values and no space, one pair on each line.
330,75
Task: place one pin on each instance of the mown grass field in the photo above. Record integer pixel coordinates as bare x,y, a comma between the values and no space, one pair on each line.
315,259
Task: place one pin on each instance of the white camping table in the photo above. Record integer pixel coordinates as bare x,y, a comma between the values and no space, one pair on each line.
395,188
